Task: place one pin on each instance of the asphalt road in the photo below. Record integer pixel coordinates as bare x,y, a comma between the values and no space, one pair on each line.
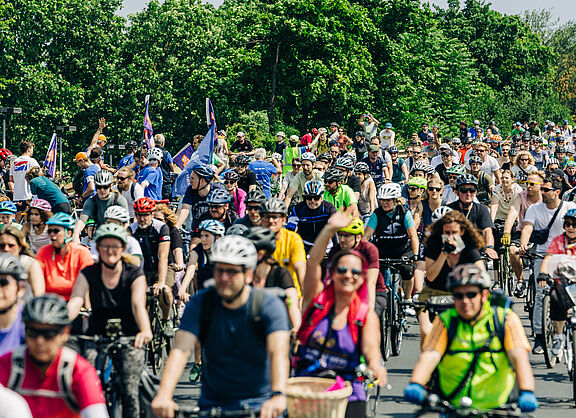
553,388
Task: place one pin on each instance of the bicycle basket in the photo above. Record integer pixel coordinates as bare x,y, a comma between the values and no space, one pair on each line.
306,398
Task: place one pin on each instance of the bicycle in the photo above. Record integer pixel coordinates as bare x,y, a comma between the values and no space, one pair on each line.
506,276
194,411
530,298
435,305
159,347
372,388
548,329
393,325
436,406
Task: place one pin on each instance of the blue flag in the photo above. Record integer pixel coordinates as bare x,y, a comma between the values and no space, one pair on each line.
148,132
50,160
183,157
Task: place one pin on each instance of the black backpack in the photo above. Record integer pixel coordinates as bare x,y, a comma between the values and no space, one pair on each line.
78,183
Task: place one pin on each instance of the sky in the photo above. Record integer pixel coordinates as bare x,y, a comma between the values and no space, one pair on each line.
564,9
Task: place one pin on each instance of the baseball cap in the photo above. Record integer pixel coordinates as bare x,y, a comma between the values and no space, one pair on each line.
81,156
102,138
517,124
570,164
282,134
373,148
388,125
314,131
240,134
334,124
476,122
445,146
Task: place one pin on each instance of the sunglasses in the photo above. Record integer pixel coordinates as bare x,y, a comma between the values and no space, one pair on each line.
296,165
229,181
102,187
453,176
252,208
547,189
272,216
467,190
569,224
524,159
532,183
434,189
413,189
122,178
53,230
462,295
344,270
4,281
229,272
416,152
47,334
446,155
312,197
480,150
213,206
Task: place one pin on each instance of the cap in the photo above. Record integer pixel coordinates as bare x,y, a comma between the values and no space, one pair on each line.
282,134
570,164
102,138
517,124
81,156
445,146
373,148
334,124
429,135
476,122
294,138
240,134
388,125
314,131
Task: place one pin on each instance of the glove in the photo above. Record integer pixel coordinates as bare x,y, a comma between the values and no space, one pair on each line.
415,393
505,240
527,401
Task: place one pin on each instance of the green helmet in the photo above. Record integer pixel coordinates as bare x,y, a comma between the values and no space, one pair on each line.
456,169
90,222
419,182
111,231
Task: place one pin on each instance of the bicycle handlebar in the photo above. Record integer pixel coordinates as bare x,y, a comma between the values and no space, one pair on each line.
435,404
390,261
186,410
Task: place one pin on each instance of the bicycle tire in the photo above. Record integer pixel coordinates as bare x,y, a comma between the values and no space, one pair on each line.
530,298
574,364
385,332
396,331
547,332
155,347
115,409
372,399
568,353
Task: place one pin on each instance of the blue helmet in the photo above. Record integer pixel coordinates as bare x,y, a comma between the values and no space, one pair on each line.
8,207
213,226
204,171
62,219
570,214
313,188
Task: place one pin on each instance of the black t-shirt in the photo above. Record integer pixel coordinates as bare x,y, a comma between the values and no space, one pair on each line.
175,242
354,183
360,148
433,249
463,132
149,240
441,170
198,204
279,277
247,180
479,215
205,269
246,146
228,220
280,147
112,303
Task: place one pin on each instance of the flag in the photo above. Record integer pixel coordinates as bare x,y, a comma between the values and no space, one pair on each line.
148,132
50,160
211,119
183,157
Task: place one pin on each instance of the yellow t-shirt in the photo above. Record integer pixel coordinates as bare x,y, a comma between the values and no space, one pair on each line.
290,250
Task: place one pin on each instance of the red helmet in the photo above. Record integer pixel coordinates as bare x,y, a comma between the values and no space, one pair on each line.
144,204
4,153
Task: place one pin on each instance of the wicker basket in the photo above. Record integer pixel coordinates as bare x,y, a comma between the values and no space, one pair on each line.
307,398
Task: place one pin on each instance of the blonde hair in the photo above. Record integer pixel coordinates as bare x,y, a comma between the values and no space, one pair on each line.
169,215
523,154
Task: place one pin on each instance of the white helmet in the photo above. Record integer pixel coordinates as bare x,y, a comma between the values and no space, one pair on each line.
308,156
236,250
155,154
389,191
118,213
440,212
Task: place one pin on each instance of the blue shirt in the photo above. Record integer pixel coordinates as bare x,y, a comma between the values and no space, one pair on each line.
127,160
89,176
154,177
264,171
13,336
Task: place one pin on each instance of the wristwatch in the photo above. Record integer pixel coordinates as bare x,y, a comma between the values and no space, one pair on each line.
277,393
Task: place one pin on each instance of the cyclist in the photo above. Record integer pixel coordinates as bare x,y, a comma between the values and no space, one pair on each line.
264,170
219,209
255,372
399,167
238,195
391,228
128,188
54,380
504,194
154,239
35,229
130,147
337,193
247,180
254,199
484,181
194,200
304,176
346,165
18,169
309,217
367,201
12,280
62,260
150,175
176,256
416,190
334,310
449,191
470,357
43,188
289,176
376,164
89,169
523,167
96,206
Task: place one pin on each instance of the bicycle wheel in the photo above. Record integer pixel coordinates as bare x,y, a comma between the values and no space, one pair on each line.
573,332
547,332
397,331
529,305
155,347
385,330
372,399
511,276
115,403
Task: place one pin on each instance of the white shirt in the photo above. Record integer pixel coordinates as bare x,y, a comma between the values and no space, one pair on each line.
13,405
138,194
387,138
539,216
18,170
489,166
437,160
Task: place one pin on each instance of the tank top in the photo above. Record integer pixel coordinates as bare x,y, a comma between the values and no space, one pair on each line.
524,205
364,201
37,241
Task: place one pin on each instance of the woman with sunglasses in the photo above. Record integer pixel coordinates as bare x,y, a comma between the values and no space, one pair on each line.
35,229
502,197
238,195
523,166
330,339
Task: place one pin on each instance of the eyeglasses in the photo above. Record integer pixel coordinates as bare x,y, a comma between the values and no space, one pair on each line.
532,183
109,247
344,270
413,189
446,155
47,334
272,216
229,181
434,189
102,187
547,189
53,231
312,197
229,272
4,281
6,245
215,206
462,295
467,190
416,152
252,208
122,178
296,165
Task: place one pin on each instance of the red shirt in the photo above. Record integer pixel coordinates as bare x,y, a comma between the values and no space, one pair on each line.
559,245
85,386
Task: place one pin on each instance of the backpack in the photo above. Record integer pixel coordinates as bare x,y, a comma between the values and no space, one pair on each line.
78,183
65,371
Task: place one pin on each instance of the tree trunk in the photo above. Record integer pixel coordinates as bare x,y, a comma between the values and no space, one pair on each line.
272,102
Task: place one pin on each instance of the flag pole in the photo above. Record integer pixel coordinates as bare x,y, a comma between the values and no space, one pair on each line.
146,100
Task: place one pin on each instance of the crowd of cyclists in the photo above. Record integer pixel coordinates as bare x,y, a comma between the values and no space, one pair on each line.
304,261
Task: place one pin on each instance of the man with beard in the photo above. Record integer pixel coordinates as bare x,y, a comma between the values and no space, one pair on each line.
130,190
247,178
253,201
219,209
194,200
307,174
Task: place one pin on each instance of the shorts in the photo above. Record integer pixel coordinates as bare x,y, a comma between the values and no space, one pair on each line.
380,303
62,207
22,205
427,293
152,277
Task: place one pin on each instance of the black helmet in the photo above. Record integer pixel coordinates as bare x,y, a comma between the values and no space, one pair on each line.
466,179
513,152
262,238
242,160
360,133
393,150
48,309
131,146
11,265
333,174
274,206
516,137
231,175
475,159
325,156
255,196
362,167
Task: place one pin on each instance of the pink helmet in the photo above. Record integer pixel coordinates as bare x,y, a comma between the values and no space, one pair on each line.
40,204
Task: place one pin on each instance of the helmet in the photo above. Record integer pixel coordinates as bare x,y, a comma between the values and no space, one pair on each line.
144,204
468,275
344,162
466,179
393,150
313,188
308,156
62,219
103,178
359,133
4,153
262,238
277,156
218,197
204,171
355,228
513,152
571,213
428,169
40,204
516,137
351,156
456,169
131,146
553,161
325,156
213,226
90,222
475,159
419,166
274,206
282,134
231,175
10,264
333,174
419,182
242,160
389,191
561,149
440,212
235,250
8,207
47,309
111,231
362,167
456,141
255,196
118,213
155,154
237,229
